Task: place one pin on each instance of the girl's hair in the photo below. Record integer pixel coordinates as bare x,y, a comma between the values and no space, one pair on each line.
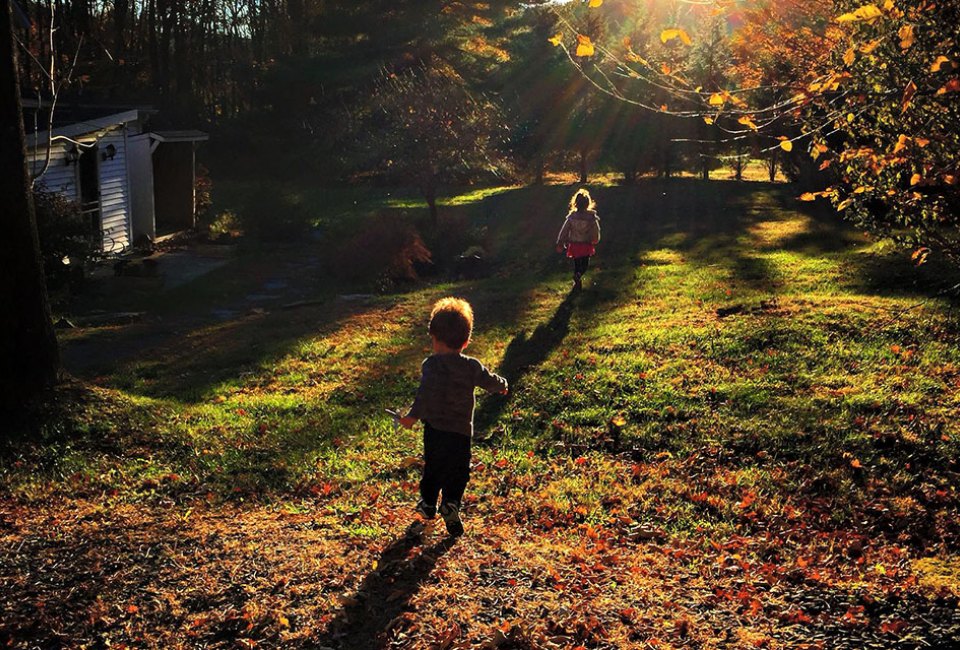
582,201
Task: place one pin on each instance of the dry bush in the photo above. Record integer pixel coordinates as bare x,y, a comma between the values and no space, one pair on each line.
385,254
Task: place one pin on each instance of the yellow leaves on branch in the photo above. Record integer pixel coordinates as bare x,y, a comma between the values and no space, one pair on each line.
556,39
813,196
818,149
901,143
830,83
908,94
636,58
906,36
786,143
942,63
719,99
675,32
584,45
747,120
867,13
849,56
595,3
951,86
904,140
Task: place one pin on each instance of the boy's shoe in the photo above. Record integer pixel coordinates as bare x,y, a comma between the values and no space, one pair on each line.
451,517
426,510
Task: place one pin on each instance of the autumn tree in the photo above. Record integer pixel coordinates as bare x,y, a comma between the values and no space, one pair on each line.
778,48
428,129
28,347
892,137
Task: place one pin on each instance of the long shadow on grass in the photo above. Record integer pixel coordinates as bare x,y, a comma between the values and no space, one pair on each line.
385,594
525,353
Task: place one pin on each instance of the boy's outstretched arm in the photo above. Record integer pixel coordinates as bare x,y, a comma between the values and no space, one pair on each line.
490,381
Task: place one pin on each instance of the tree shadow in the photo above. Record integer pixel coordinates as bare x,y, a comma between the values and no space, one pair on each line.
897,276
384,596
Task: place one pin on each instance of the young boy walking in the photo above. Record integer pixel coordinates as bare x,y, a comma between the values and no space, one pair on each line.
445,402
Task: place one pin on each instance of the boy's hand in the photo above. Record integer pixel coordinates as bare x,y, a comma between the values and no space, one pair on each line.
505,391
559,248
407,422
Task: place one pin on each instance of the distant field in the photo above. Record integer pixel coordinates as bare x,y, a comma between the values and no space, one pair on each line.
743,432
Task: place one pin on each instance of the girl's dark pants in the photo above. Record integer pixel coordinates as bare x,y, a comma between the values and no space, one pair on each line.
580,264
446,466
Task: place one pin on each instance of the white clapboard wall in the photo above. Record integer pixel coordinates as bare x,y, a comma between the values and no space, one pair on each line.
60,177
114,194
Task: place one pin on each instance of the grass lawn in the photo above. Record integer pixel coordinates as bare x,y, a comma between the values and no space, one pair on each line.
742,433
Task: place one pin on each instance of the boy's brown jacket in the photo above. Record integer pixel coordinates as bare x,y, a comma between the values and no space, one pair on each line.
445,398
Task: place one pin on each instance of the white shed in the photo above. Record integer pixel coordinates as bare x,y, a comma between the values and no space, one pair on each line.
131,183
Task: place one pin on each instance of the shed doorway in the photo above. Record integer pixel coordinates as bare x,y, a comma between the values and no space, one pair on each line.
88,182
173,191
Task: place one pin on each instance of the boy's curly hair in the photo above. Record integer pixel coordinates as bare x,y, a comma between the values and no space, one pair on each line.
451,321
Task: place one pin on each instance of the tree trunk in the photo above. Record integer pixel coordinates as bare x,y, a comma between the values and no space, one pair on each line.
152,45
704,151
29,358
120,9
583,166
431,197
297,15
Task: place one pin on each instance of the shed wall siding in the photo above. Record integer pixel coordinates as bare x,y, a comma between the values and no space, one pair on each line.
114,195
60,177
140,167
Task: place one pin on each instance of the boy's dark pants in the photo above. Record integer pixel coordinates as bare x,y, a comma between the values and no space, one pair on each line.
446,466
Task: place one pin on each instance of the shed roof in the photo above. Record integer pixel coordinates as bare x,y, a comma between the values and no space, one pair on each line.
92,125
189,135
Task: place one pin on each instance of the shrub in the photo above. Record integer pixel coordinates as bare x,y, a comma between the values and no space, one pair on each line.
385,254
273,215
226,225
455,236
67,242
203,193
